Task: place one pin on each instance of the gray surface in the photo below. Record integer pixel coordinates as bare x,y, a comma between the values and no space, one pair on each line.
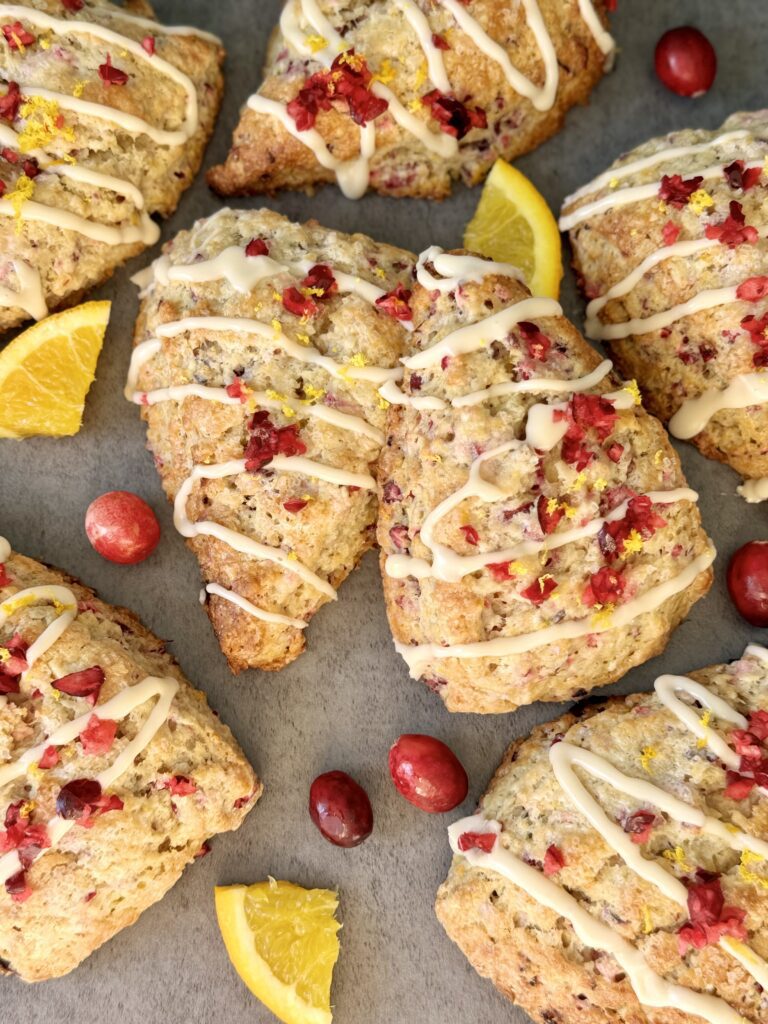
342,704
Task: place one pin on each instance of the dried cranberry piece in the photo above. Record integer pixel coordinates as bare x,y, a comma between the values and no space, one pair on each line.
484,841
733,230
738,786
86,683
753,289
549,511
17,36
605,587
298,304
439,42
537,343
77,798
670,233
675,191
73,5
257,247
148,44
391,493
294,505
10,102
5,579
17,888
111,75
640,825
499,570
554,860
49,759
98,736
710,918
615,451
539,591
236,389
454,116
180,785
470,535
399,537
395,303
738,177
758,724
320,278
267,440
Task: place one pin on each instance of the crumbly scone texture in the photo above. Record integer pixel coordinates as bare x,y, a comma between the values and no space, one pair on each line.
265,157
428,457
98,880
531,953
336,525
702,350
66,62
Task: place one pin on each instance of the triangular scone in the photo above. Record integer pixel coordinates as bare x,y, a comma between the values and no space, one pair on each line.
113,770
273,425
104,116
538,540
671,246
405,95
617,867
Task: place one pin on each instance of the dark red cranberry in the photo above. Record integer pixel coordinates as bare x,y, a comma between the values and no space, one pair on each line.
341,809
427,773
748,582
77,797
686,61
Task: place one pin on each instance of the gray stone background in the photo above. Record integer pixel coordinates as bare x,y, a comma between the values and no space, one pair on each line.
343,703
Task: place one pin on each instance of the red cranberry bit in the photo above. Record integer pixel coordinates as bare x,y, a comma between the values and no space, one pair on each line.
554,860
615,451
257,247
670,232
77,798
639,826
180,785
747,580
439,42
10,102
471,536
17,36
710,919
98,736
111,75
455,118
733,230
427,773
86,683
753,289
536,342
686,61
484,841
298,304
348,81
758,724
122,527
395,303
13,666
499,570
73,5
321,280
605,587
148,44
676,192
236,389
5,579
294,505
539,591
17,888
391,493
549,516
49,759
267,440
340,809
738,786
739,177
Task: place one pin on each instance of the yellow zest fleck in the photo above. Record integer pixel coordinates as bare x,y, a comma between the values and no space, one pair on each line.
600,484
647,754
313,394
580,481
293,556
306,497
421,75
276,295
603,615
543,579
569,510
634,390
662,207
704,721
415,106
613,183
379,272
552,506
316,43
632,544
436,458
309,292
13,604
79,89
303,339
700,201
383,403
358,360
385,74
277,327
54,694
354,60
677,856
5,655
647,921
24,190
34,771
26,809
746,873
658,456
43,123
44,42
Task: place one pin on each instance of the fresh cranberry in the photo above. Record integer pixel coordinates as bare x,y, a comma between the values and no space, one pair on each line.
122,527
341,809
686,61
748,582
427,773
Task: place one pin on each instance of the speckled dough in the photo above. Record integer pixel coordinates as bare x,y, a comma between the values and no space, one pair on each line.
67,261
531,953
698,351
428,457
331,533
99,880
265,157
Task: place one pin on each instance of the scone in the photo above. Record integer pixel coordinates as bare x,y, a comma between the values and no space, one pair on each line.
260,347
538,538
403,96
104,117
617,868
670,243
113,770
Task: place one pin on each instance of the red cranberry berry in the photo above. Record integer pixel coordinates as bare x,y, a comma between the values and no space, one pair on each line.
341,809
686,61
122,527
748,582
427,773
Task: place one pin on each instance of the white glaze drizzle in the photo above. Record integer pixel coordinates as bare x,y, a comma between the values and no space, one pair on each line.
145,231
353,175
250,609
417,656
451,567
745,390
158,29
554,385
29,296
455,269
754,491
482,333
650,988
118,707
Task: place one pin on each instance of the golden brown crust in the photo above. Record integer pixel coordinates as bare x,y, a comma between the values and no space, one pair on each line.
98,880
264,157
335,527
68,261
699,351
427,458
532,954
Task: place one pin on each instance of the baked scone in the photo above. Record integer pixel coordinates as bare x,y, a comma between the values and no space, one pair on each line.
537,535
113,770
617,868
670,243
260,347
104,116
403,96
